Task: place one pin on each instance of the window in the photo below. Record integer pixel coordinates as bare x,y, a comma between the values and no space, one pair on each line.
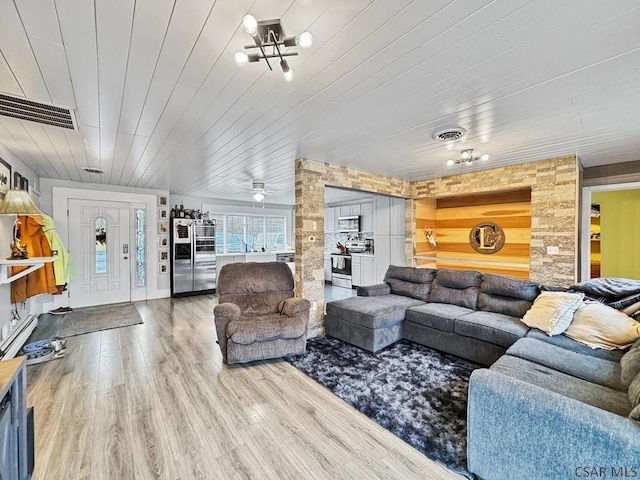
101,245
220,226
234,232
275,233
255,233
140,253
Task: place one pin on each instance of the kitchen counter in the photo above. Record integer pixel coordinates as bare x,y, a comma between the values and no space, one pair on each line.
237,254
362,255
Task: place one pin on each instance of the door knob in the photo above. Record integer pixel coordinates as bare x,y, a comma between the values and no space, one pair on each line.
126,258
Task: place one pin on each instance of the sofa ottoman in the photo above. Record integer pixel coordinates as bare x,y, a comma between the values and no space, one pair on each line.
371,323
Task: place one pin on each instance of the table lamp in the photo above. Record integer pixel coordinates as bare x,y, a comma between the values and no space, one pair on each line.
18,202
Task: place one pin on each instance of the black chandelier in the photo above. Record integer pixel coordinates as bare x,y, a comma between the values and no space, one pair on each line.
269,38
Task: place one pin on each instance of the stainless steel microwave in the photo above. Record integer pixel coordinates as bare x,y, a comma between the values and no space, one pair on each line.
349,224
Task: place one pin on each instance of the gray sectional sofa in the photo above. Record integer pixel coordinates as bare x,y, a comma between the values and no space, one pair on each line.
472,315
548,407
545,411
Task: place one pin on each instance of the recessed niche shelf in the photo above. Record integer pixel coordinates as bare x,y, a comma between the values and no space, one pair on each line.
34,263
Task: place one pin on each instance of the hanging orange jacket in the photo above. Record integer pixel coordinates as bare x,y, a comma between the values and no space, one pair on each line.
41,280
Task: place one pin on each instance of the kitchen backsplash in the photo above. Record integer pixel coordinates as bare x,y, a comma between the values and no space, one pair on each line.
331,240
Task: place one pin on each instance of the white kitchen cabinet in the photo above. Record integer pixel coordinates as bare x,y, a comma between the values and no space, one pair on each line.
368,271
356,273
382,255
349,210
362,270
381,216
396,253
331,215
396,216
366,211
260,257
222,260
328,220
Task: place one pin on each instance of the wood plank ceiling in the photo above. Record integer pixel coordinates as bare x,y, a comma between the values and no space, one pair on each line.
161,104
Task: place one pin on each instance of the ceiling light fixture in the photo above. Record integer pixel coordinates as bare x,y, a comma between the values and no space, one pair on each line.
269,34
467,157
258,191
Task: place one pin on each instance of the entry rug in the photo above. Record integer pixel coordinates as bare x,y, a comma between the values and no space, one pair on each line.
87,320
415,392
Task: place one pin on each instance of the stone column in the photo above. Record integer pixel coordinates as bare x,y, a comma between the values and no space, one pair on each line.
309,217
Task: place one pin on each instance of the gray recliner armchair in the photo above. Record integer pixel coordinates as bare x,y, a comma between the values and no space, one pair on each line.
257,316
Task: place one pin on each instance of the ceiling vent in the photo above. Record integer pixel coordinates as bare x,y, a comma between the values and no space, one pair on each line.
450,134
23,109
95,170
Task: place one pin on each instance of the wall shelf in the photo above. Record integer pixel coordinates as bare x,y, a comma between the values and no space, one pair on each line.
34,263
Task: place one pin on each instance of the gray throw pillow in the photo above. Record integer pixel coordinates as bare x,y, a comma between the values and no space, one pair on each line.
509,287
458,278
634,398
410,274
630,364
419,291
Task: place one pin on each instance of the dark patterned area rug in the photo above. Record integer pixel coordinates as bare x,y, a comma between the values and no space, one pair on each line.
415,392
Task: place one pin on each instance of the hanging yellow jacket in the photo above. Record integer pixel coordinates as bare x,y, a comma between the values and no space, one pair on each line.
41,280
62,267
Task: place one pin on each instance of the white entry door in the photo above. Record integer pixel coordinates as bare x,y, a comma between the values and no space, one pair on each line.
99,246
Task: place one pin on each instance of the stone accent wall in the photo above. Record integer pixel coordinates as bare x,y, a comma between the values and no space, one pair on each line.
554,211
554,208
311,177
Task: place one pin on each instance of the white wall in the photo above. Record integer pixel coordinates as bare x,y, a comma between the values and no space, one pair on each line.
32,305
54,200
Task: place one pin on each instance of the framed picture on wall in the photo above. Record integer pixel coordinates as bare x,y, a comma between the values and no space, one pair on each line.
24,184
164,241
164,255
5,177
163,227
163,201
163,213
16,180
164,268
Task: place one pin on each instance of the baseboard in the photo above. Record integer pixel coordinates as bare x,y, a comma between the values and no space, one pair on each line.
12,345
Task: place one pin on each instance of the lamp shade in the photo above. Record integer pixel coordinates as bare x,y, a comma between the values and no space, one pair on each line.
18,202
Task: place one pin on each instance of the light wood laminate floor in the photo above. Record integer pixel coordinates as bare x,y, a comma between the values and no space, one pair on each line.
154,401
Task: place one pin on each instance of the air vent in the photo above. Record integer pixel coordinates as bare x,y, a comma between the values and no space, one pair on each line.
98,171
450,134
19,107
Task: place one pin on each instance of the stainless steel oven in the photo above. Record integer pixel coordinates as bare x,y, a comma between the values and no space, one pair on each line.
341,270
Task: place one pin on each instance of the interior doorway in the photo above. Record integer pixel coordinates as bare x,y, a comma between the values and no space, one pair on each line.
609,229
99,244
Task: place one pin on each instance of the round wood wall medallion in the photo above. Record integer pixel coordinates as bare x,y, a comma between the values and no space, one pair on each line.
486,238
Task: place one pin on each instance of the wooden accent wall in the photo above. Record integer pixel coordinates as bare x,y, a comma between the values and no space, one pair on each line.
454,219
426,217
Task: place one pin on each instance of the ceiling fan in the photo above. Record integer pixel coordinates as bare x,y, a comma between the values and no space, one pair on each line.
258,191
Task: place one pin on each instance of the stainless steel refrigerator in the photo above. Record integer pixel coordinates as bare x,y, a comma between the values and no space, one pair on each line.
193,256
